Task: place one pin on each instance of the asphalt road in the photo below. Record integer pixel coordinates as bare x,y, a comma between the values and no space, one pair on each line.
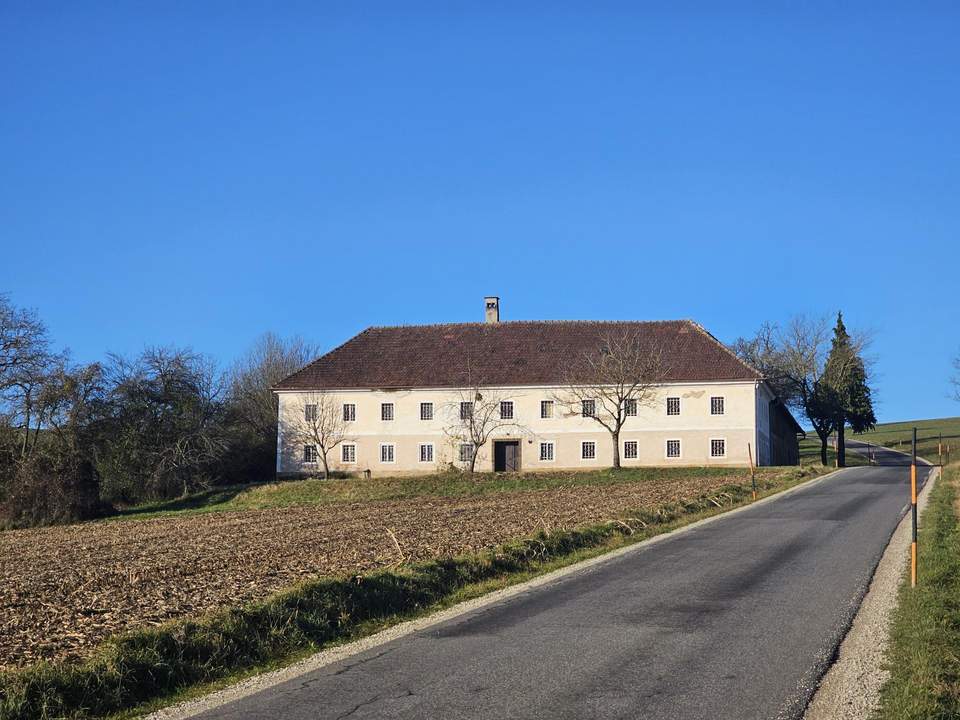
737,619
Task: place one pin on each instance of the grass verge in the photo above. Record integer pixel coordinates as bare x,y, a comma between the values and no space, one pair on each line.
261,496
160,663
924,653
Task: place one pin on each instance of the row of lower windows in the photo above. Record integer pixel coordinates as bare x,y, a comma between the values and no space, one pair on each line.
588,451
348,453
588,408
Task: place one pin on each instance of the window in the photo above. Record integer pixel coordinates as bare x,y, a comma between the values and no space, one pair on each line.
309,453
387,453
506,410
716,406
718,448
349,412
588,408
673,448
630,407
546,408
466,410
630,450
310,413
348,453
673,406
588,450
546,452
466,452
426,453
386,411
426,411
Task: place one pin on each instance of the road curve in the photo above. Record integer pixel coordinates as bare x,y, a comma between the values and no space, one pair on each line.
735,619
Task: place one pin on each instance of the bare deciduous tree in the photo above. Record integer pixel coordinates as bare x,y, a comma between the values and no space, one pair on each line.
165,418
473,418
612,381
251,403
792,359
318,423
25,363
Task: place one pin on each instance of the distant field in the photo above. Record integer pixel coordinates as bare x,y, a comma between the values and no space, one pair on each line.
899,436
810,453
64,589
894,435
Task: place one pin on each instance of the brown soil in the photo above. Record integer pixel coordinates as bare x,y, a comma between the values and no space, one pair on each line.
64,589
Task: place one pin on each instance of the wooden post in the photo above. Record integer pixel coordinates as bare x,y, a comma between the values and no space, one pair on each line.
940,449
753,478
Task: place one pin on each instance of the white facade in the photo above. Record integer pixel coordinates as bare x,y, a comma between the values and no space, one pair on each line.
408,444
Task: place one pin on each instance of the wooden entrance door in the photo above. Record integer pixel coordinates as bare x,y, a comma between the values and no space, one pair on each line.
506,455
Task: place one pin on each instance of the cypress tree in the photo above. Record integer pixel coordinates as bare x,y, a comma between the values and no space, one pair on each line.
847,393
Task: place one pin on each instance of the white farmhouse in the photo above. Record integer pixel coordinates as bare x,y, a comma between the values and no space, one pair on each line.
400,394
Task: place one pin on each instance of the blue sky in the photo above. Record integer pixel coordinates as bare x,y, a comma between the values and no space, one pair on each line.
196,174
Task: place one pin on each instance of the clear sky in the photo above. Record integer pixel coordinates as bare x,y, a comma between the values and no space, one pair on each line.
196,174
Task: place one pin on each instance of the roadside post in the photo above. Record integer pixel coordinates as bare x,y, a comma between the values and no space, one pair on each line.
940,449
913,513
753,478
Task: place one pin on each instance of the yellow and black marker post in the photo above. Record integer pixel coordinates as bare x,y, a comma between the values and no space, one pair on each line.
913,513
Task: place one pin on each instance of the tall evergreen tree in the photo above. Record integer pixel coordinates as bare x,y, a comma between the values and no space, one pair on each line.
846,390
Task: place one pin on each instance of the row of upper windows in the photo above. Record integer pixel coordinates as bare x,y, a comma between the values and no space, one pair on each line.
588,408
588,451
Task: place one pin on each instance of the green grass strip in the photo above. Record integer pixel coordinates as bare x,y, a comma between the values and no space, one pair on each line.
924,653
142,666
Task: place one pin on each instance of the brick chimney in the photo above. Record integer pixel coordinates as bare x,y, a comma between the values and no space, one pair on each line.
491,305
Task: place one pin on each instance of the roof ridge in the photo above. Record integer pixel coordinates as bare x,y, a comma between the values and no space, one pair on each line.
524,322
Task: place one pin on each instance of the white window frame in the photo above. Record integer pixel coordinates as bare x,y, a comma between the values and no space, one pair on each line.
310,412
628,405
723,405
469,448
509,404
306,454
352,413
583,446
666,449
636,450
553,450
393,412
420,450
426,406
548,404
343,453
718,439
679,406
466,409
583,408
393,453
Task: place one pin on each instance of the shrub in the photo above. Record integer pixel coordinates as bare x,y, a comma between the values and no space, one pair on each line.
44,491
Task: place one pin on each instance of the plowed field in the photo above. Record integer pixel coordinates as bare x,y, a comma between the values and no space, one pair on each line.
64,589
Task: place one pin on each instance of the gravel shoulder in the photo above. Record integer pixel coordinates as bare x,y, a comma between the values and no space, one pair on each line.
850,690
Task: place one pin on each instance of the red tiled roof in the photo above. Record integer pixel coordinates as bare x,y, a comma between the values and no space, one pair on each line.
504,354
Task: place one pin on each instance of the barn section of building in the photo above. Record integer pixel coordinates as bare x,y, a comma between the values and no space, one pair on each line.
411,367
